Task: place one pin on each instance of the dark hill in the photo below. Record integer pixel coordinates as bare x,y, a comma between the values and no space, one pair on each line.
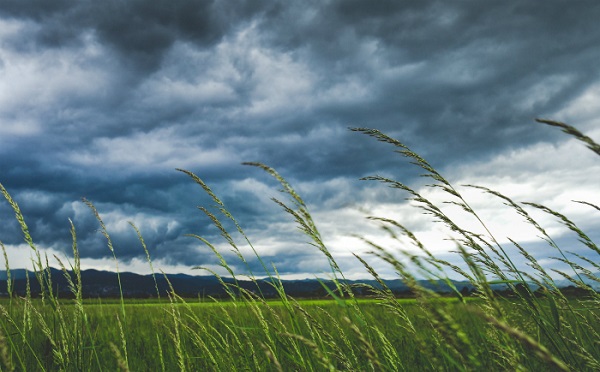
105,284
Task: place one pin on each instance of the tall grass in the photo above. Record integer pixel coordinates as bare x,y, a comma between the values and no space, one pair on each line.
536,328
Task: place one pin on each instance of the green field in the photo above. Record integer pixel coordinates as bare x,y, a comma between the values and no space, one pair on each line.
306,335
533,326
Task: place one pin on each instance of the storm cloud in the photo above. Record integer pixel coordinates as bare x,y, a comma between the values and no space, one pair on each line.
104,100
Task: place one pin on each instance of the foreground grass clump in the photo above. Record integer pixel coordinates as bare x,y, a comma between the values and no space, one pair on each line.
537,328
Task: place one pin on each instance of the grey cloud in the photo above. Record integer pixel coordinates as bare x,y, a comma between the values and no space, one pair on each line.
477,60
140,31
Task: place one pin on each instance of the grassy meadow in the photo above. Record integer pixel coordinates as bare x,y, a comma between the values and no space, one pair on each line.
537,328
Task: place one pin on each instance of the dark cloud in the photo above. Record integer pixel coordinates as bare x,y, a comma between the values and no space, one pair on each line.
472,62
104,100
140,31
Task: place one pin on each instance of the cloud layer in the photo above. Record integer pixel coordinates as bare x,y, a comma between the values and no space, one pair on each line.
105,100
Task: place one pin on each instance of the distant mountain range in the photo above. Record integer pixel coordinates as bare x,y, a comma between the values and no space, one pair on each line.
105,284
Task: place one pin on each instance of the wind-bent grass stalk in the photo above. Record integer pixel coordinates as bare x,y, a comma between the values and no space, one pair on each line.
37,263
160,353
148,259
112,250
570,130
124,363
27,323
76,289
9,282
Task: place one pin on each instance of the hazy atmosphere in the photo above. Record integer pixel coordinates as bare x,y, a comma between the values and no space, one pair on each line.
104,100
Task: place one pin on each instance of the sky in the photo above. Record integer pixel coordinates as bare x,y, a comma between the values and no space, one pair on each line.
105,100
